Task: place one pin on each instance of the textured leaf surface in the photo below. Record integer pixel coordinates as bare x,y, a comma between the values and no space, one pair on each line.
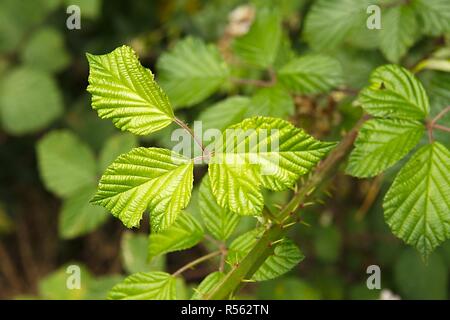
154,285
434,15
329,21
286,255
398,33
220,222
126,92
260,152
146,177
311,74
259,45
65,163
381,143
191,72
114,147
78,216
417,206
185,233
207,285
395,92
29,100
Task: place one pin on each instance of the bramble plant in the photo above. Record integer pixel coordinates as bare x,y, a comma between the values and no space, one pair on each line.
265,152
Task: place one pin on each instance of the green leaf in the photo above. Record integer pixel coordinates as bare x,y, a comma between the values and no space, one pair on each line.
381,143
311,74
219,222
126,92
328,23
78,216
271,102
417,206
191,72
259,46
395,92
225,113
114,147
134,247
146,177
207,285
29,101
286,255
154,285
183,234
399,32
65,163
260,152
46,51
434,16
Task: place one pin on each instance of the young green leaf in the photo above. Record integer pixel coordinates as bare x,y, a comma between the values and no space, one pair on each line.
260,152
381,143
114,147
259,46
65,163
434,15
329,22
286,255
311,74
399,32
126,92
417,206
207,285
78,216
154,285
191,72
219,221
395,92
271,102
152,178
29,101
183,234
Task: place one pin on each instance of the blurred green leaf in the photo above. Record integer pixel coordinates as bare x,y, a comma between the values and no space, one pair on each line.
271,102
134,249
78,216
288,288
259,45
46,51
29,101
191,72
207,285
66,164
311,74
434,16
398,33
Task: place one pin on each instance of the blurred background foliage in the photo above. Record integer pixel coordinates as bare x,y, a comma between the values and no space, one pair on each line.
46,222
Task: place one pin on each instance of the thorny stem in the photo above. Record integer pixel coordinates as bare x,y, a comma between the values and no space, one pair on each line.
439,127
196,262
264,246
